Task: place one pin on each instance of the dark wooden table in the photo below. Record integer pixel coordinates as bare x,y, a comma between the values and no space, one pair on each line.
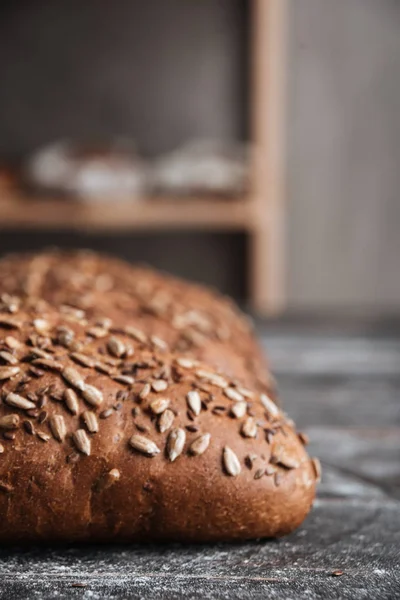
344,390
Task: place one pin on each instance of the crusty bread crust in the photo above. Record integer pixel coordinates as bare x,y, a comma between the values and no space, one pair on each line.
105,434
192,318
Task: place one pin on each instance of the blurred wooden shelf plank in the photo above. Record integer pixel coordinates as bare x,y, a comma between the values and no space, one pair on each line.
147,214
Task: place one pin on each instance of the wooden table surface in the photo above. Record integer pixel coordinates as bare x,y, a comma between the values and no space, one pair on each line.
344,390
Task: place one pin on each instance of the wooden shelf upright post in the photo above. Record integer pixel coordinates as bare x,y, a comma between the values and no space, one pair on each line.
267,113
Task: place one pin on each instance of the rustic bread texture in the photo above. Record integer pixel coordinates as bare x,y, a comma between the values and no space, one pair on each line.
105,435
190,317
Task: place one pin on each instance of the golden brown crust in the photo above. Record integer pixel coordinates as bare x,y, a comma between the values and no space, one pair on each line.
107,435
190,317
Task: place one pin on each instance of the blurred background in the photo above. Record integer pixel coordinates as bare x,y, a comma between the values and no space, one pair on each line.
253,145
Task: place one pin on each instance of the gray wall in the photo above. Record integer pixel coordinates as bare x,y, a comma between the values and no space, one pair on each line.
161,72
344,154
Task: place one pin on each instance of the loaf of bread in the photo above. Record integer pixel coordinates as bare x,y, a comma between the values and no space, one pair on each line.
191,318
106,435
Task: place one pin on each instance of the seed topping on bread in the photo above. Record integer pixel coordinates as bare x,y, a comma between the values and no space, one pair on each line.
145,380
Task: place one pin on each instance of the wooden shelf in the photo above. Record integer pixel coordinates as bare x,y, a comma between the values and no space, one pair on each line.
262,215
147,214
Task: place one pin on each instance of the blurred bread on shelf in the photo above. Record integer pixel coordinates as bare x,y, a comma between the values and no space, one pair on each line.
96,172
87,172
202,167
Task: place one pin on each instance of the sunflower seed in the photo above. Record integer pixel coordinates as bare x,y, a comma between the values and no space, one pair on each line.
122,395
10,323
249,460
42,417
39,353
165,420
97,332
108,479
274,458
144,445
160,385
116,347
8,357
270,470
81,441
73,377
106,413
28,426
193,337
175,443
159,405
114,474
249,428
136,334
8,372
269,405
238,410
186,363
213,378
11,303
124,379
71,400
288,462
159,343
269,434
33,413
233,394
92,395
43,436
19,401
145,391
83,359
246,393
142,428
303,437
1,448
316,464
231,462
57,426
41,326
106,369
65,336
35,372
194,401
129,350
12,342
200,444
192,428
259,473
104,322
9,422
71,311
48,363
39,341
33,397
90,420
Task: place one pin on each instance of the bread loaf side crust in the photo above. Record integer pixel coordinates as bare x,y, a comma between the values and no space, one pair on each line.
113,437
192,318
